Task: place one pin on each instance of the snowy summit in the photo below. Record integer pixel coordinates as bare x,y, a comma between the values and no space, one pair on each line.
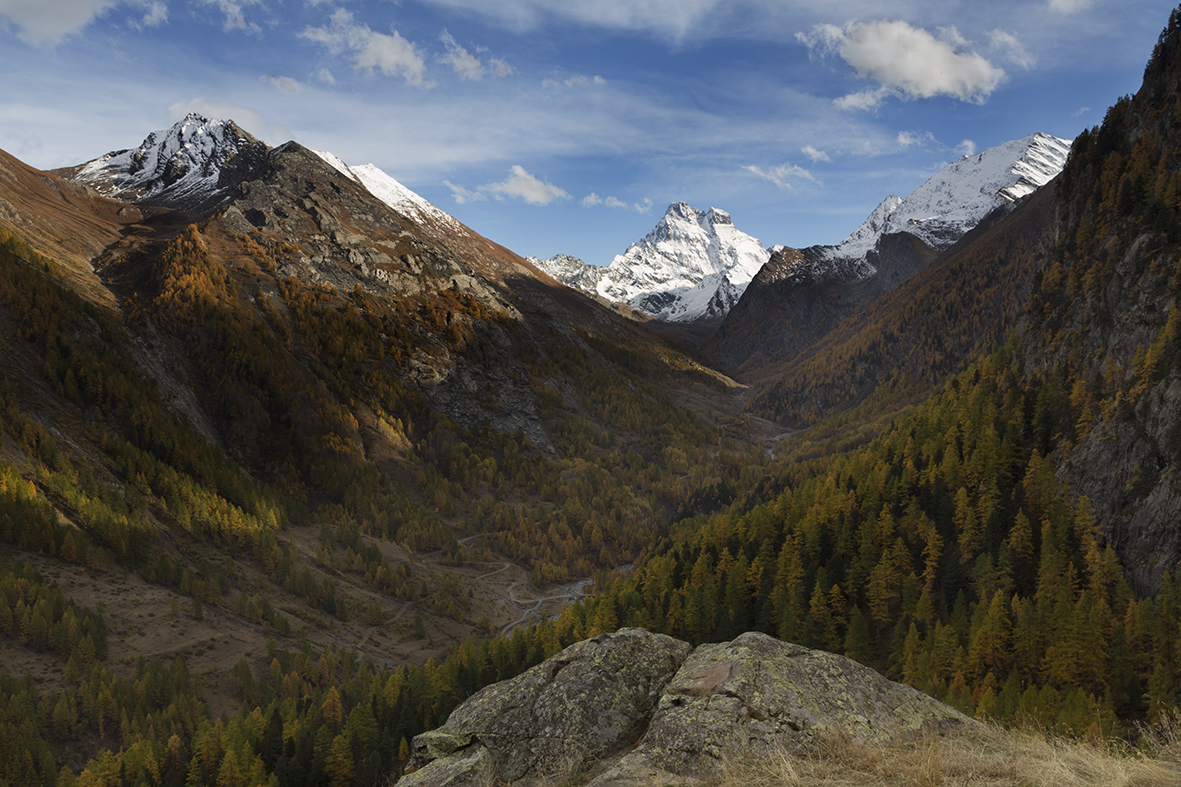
694,265
947,206
194,165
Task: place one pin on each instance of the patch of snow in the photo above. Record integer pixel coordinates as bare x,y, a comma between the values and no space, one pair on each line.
393,193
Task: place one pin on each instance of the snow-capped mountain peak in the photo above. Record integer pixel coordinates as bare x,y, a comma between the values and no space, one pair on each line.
693,265
942,210
194,165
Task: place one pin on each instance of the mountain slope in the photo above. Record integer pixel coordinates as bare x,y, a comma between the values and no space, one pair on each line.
1105,322
331,393
693,266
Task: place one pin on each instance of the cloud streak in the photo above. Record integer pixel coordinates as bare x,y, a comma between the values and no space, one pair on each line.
785,176
593,200
668,18
578,80
907,62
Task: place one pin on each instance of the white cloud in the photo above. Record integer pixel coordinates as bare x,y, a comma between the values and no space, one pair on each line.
42,22
390,54
909,139
325,76
1012,49
245,117
528,187
906,62
519,184
1070,6
284,84
467,65
783,175
1080,112
814,154
865,100
966,148
593,200
235,17
578,80
500,68
463,196
156,14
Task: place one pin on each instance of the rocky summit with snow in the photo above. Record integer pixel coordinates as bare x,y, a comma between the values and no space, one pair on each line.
694,266
193,166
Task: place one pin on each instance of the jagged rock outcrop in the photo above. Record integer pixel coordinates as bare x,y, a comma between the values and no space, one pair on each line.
633,708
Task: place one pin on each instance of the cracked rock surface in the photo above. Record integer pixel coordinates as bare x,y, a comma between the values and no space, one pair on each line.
575,708
636,708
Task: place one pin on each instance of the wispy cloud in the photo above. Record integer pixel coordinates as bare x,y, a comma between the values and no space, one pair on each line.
467,65
1070,6
910,139
785,176
907,62
668,18
578,80
1080,112
235,17
284,84
593,200
1011,48
155,14
371,51
814,154
966,148
520,184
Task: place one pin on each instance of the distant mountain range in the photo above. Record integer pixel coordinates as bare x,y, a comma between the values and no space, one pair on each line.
695,265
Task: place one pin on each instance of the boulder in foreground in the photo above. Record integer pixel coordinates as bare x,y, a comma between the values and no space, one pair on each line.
635,708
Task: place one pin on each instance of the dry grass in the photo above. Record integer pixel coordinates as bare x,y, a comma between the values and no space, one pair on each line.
986,756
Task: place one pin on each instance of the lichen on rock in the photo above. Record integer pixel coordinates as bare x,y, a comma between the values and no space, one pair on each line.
636,708
581,705
756,694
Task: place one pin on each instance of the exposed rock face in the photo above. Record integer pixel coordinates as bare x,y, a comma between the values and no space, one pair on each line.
640,708
584,704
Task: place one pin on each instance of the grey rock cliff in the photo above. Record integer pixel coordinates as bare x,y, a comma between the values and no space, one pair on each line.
633,708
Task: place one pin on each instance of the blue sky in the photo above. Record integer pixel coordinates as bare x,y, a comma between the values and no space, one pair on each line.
570,126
